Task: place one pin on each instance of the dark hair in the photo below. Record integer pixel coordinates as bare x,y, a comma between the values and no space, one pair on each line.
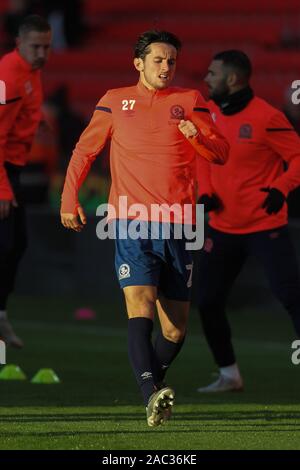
237,60
34,23
141,48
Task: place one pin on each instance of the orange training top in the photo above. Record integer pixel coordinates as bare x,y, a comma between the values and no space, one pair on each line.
20,113
261,139
151,160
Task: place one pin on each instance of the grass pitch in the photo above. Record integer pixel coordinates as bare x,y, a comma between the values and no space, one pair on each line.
97,404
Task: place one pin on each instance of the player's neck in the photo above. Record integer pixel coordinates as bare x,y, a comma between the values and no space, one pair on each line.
236,102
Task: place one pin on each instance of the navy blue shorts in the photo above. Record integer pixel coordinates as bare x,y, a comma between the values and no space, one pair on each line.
164,263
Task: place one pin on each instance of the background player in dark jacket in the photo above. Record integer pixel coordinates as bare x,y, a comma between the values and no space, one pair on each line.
246,199
20,114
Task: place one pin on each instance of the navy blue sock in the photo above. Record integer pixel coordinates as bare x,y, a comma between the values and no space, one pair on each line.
141,354
165,352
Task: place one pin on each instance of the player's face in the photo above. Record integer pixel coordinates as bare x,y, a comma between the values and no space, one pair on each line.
216,80
34,47
158,68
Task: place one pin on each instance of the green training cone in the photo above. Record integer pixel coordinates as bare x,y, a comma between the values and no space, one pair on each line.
45,376
12,372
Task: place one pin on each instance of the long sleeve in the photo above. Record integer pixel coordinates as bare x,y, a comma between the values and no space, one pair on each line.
284,140
90,144
204,177
9,110
209,142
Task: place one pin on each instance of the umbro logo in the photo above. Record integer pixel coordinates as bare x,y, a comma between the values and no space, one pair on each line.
146,375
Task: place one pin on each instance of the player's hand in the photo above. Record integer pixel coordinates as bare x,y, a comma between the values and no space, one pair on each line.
211,203
5,206
274,201
188,129
45,129
71,221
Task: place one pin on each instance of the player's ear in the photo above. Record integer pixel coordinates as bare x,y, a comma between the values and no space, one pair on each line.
232,79
139,64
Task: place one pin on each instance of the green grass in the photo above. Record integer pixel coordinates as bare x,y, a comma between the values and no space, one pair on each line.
98,406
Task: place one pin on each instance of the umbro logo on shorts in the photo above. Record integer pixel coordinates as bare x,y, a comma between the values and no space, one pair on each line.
124,271
146,375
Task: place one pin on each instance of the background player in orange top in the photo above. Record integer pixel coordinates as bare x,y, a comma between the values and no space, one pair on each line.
20,114
247,203
154,131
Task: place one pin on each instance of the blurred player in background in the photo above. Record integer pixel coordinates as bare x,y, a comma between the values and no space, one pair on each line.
247,203
155,133
20,114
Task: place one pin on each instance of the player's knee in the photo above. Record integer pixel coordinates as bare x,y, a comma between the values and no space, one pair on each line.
146,308
289,296
212,315
140,304
291,302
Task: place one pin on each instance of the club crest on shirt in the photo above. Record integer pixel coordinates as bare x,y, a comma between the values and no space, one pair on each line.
245,131
124,271
177,112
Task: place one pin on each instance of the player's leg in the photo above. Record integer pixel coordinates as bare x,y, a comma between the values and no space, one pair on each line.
219,263
140,304
138,264
6,249
13,242
173,303
173,307
275,250
173,317
141,308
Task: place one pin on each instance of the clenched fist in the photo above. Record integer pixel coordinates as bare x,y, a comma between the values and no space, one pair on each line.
188,129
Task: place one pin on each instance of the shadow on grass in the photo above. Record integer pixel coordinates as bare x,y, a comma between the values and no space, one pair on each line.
206,419
146,431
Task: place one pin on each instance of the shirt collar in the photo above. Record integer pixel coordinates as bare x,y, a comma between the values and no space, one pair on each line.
236,102
22,62
143,90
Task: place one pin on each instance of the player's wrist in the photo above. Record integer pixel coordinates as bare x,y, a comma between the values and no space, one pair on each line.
197,136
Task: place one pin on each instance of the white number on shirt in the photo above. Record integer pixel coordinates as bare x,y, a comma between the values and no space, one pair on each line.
127,103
